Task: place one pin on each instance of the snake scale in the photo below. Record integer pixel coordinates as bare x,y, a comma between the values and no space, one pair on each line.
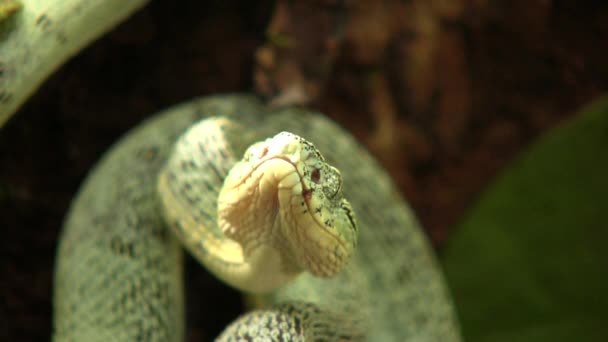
119,273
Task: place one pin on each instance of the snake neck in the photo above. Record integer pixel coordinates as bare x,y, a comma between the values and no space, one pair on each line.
253,258
254,268
249,213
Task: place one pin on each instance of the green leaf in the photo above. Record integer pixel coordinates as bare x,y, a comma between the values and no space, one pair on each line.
530,263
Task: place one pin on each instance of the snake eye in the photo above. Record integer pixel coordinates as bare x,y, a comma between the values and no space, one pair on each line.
315,176
263,153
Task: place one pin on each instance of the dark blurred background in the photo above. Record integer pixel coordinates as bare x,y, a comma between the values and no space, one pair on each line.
444,93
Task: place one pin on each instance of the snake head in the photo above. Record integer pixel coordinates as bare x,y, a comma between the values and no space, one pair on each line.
298,197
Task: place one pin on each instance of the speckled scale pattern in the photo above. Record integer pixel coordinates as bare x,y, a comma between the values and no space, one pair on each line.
119,272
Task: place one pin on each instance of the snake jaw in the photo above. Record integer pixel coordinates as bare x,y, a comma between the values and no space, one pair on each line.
301,211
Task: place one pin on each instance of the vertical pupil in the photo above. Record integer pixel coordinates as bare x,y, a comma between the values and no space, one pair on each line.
315,176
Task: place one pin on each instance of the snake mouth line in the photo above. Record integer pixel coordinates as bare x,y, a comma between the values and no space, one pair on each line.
305,190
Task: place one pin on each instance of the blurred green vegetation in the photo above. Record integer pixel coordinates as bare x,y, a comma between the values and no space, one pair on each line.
530,261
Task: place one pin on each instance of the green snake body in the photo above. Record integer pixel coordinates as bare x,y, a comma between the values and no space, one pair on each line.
119,270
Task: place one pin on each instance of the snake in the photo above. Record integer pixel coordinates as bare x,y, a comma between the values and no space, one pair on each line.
280,203
205,175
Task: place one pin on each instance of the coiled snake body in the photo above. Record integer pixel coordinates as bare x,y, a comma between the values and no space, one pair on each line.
119,272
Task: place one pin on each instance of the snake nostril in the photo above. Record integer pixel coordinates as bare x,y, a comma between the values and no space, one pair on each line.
315,176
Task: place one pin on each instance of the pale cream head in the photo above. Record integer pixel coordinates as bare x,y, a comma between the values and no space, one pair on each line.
282,200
